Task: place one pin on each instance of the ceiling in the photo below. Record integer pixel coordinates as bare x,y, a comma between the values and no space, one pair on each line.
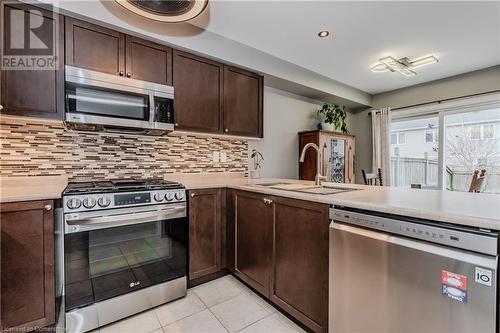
465,36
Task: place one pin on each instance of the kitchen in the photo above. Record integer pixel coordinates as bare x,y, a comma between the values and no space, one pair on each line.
168,173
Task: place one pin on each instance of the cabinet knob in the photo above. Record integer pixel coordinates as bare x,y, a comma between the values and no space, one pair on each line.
47,207
1,107
268,201
226,130
120,73
176,124
129,74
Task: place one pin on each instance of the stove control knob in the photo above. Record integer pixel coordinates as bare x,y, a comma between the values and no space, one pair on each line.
74,203
158,197
179,195
169,196
104,201
89,202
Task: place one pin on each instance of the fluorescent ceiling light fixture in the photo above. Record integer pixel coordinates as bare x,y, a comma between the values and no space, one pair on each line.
404,66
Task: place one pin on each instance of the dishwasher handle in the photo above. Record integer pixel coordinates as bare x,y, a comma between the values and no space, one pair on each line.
482,260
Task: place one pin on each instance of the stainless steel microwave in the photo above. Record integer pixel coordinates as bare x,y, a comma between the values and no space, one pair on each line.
101,101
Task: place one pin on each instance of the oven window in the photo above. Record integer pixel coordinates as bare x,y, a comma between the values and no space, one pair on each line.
106,102
105,263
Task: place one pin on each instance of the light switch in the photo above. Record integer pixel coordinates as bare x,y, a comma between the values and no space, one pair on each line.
223,156
216,156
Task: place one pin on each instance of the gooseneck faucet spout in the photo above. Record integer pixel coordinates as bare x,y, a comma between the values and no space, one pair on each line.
319,162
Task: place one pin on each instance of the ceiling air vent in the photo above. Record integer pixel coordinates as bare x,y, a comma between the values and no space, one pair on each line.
171,11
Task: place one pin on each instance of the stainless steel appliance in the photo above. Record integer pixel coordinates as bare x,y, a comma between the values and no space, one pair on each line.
398,274
125,249
101,101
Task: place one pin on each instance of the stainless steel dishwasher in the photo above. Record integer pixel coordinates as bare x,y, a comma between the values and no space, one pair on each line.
396,274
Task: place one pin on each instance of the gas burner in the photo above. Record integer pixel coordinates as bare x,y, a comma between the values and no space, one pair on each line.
89,187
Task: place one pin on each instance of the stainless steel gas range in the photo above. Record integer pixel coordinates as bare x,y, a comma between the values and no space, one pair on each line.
125,249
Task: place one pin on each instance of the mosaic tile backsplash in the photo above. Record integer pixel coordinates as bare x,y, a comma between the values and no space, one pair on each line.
34,148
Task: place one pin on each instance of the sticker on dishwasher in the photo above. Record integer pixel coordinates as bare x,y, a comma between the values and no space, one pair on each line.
483,276
454,280
455,293
454,286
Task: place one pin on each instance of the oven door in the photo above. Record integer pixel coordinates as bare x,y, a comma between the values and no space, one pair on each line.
110,255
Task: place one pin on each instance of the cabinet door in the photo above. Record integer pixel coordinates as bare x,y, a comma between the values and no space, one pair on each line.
198,93
35,93
242,102
27,281
148,61
93,47
307,169
253,233
299,283
205,232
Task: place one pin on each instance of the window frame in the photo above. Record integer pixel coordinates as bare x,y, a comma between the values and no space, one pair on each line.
442,109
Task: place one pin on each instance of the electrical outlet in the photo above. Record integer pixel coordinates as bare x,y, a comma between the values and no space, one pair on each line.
223,156
216,156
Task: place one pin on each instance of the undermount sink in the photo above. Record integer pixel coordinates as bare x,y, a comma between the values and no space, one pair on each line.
307,188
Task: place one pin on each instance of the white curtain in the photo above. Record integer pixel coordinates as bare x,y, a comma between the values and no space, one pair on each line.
381,144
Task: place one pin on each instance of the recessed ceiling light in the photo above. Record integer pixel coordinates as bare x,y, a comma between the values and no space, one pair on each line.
323,34
403,66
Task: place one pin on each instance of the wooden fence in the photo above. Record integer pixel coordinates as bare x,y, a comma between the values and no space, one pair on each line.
408,170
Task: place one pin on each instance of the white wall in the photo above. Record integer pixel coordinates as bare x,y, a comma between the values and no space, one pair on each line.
285,115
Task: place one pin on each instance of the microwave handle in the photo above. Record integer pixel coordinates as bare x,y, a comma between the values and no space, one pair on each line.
152,113
101,222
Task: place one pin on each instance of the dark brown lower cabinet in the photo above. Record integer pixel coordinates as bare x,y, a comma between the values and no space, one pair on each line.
299,282
253,228
206,233
279,246
27,265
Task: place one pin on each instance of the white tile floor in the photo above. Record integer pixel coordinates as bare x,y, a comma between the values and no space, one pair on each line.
223,305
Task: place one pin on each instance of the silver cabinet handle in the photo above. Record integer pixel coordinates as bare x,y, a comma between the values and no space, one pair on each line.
176,124
47,207
1,107
268,201
193,195
226,130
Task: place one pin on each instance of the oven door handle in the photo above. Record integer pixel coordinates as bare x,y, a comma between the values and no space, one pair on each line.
101,222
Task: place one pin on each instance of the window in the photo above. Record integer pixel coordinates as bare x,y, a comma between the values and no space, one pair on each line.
470,144
398,138
413,161
431,136
488,131
394,139
475,132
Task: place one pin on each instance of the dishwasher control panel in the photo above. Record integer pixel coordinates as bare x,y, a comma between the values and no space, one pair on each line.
474,240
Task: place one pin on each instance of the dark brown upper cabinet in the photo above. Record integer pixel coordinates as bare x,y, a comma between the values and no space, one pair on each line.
27,281
242,102
198,93
148,61
34,93
206,232
94,47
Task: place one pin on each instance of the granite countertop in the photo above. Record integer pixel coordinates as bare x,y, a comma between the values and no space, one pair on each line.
470,209
14,189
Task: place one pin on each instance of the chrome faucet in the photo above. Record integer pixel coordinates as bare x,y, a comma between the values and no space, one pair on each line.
319,162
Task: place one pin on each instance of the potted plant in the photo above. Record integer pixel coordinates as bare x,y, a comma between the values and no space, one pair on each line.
257,163
333,116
